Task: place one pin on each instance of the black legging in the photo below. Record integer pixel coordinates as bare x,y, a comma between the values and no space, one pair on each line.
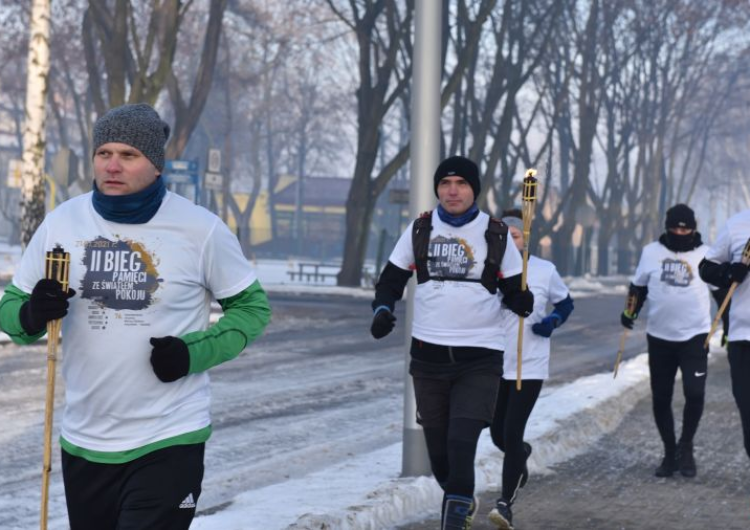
511,414
452,450
739,368
664,358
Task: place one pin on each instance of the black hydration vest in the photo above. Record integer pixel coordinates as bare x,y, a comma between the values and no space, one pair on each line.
496,236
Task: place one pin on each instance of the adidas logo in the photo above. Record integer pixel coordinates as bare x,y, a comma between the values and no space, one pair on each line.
189,502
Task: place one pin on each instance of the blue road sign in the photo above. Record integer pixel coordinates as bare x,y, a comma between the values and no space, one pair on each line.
181,173
181,166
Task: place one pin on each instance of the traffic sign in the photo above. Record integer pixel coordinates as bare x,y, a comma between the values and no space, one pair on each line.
181,173
180,166
213,181
214,160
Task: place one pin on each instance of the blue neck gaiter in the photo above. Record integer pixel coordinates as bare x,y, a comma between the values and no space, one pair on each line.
133,209
458,220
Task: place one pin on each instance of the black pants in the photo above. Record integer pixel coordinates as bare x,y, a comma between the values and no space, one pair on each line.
511,414
739,368
451,431
453,409
158,491
664,358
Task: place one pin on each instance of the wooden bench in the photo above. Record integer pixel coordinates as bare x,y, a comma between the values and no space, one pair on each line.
312,272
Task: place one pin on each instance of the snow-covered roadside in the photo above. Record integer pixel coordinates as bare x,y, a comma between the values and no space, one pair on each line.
585,286
366,493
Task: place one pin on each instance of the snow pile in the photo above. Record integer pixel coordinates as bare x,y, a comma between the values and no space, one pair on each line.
366,493
581,287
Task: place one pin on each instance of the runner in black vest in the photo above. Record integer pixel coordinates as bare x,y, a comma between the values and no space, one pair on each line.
457,334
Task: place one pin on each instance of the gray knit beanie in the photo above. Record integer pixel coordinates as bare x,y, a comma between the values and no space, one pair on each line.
137,125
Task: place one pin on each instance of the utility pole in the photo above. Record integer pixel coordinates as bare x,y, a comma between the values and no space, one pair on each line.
425,142
34,139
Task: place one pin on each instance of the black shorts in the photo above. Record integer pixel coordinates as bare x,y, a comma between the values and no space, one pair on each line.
470,394
158,491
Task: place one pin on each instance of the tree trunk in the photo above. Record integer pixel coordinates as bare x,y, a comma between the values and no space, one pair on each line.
358,217
34,141
588,112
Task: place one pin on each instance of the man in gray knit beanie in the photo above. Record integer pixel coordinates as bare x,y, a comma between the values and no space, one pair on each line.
137,125
145,265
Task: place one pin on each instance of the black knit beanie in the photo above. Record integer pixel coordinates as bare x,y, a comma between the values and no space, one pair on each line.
680,216
138,126
459,166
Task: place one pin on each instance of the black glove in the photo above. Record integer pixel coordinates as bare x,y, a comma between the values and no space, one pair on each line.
735,272
382,323
169,358
627,320
48,302
520,302
546,326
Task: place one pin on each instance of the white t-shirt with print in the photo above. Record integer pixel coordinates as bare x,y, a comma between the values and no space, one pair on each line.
545,283
678,301
728,248
457,313
134,282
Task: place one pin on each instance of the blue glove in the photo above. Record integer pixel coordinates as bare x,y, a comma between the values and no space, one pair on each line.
547,325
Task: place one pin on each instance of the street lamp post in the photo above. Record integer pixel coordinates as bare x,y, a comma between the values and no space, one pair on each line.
425,151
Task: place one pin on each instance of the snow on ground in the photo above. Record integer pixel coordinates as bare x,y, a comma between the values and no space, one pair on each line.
366,492
587,285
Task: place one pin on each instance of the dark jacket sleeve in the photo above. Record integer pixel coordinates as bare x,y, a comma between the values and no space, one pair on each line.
714,273
390,286
563,309
640,293
510,285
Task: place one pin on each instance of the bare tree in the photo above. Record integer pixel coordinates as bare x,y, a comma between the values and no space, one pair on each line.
522,31
382,29
32,189
137,66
